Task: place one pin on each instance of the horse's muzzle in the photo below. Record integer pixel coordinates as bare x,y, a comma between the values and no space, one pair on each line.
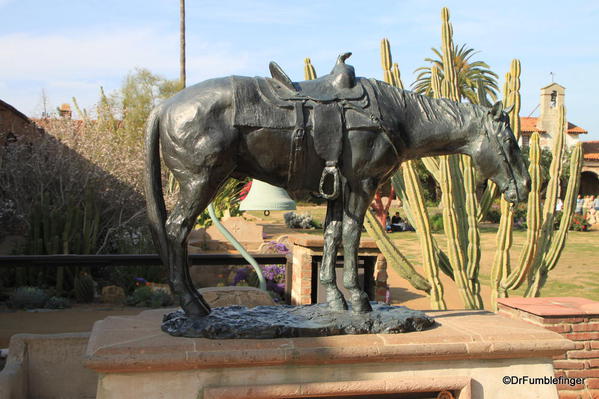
518,191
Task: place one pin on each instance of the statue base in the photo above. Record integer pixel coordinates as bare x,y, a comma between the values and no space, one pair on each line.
467,354
266,322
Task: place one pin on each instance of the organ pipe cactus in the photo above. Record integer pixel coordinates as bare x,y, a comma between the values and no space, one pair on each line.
462,211
415,199
67,228
309,71
395,258
550,243
501,265
459,194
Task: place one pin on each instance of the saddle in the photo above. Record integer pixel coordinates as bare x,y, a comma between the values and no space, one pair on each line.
340,84
329,97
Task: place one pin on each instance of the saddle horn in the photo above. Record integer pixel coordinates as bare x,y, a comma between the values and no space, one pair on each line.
342,57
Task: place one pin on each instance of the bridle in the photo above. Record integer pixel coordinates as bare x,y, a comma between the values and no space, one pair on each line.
501,152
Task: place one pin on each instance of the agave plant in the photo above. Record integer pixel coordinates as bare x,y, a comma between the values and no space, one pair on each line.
470,74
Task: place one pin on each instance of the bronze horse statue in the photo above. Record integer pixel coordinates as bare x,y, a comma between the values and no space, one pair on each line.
339,136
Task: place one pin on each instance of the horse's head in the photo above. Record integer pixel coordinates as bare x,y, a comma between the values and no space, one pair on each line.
497,155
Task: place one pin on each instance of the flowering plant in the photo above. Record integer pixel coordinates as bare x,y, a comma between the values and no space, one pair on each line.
273,274
579,223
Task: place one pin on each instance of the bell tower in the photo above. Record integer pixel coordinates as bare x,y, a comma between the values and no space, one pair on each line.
552,96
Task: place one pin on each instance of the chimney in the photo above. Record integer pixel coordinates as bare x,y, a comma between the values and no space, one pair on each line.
65,111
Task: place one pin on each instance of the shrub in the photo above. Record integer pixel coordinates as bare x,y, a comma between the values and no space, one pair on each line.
493,215
437,223
146,297
28,298
303,221
520,212
579,223
160,298
273,274
58,302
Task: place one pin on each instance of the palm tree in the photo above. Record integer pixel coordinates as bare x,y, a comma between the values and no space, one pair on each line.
471,75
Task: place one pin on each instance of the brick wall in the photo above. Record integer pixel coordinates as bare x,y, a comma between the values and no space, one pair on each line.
574,318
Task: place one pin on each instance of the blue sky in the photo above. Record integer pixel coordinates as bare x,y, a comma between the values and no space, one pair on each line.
72,47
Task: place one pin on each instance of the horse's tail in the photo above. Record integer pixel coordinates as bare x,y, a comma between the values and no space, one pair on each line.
153,183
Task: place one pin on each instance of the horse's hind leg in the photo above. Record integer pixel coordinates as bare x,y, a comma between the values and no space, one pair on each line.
356,204
195,194
332,239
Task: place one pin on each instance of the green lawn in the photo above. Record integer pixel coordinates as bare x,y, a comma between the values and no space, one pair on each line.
576,274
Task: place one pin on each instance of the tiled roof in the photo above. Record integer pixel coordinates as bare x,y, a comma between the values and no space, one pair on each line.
528,124
590,150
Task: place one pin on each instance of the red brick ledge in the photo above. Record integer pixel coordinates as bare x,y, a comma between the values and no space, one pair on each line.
553,306
136,344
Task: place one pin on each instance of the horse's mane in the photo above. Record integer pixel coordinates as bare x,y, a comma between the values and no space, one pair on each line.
432,109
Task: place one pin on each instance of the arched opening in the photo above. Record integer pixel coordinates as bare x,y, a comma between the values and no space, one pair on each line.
589,183
553,101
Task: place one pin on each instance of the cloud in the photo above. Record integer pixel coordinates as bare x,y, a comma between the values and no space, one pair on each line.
77,64
91,56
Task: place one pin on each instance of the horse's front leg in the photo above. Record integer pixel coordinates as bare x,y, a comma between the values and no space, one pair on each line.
357,200
332,239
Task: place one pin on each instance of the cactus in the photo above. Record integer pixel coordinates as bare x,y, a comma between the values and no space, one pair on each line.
394,257
551,257
64,228
501,265
462,212
459,195
550,243
533,217
387,62
415,198
84,288
421,219
309,71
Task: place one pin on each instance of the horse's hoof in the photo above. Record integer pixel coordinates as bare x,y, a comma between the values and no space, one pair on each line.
336,302
194,307
337,305
361,304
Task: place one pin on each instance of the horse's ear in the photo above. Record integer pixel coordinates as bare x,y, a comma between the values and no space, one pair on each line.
496,110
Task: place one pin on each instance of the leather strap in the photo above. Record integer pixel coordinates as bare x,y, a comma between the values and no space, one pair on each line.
297,156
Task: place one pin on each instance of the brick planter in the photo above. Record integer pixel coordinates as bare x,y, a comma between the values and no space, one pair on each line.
302,276
574,318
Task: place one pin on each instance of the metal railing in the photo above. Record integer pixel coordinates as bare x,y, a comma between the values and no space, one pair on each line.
132,260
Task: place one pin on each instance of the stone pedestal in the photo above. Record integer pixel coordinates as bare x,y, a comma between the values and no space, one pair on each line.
307,253
468,354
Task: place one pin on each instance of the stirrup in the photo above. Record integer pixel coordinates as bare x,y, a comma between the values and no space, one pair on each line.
330,169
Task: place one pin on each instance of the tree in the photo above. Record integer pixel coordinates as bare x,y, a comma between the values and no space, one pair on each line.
141,91
469,74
